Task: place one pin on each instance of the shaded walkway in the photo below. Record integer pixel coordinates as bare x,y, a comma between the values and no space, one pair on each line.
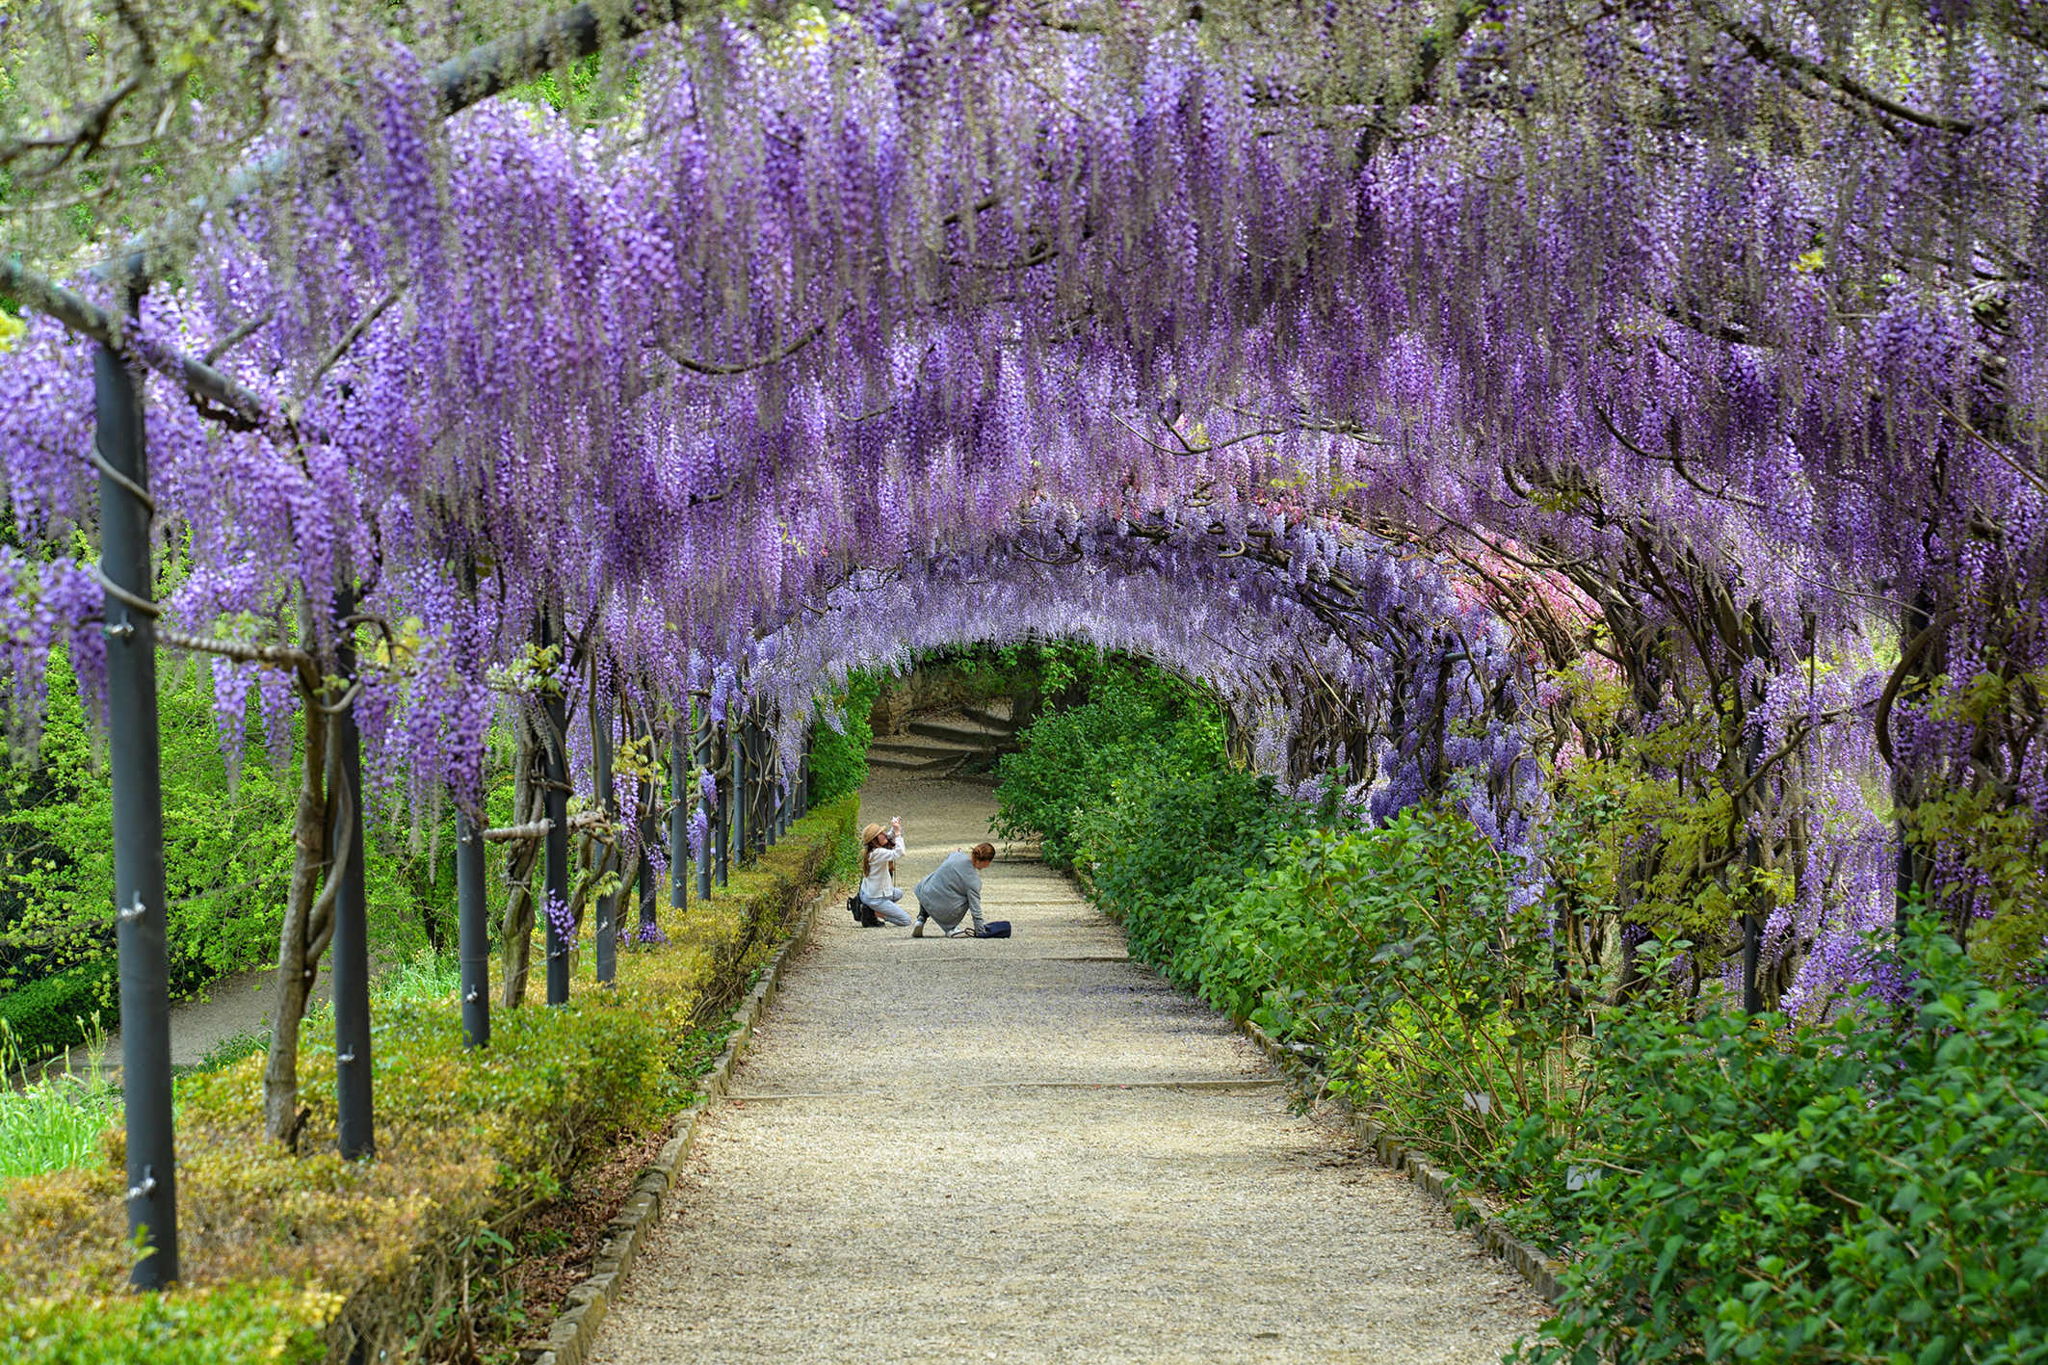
1032,1150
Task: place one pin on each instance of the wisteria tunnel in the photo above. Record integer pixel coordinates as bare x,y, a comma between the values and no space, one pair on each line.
1616,428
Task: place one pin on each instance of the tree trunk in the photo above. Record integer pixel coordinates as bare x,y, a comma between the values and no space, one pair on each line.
517,935
629,879
304,937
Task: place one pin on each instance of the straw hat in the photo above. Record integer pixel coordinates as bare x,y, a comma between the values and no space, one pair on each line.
867,836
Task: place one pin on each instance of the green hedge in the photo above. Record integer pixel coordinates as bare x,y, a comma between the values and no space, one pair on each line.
267,1320
1873,1188
56,1013
1137,731
299,1258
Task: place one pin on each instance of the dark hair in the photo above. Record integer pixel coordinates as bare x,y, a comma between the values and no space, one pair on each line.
984,853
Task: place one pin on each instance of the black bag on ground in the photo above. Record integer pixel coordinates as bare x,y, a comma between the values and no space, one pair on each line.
862,915
996,928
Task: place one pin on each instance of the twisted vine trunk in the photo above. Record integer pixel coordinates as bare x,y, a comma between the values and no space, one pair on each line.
517,934
308,923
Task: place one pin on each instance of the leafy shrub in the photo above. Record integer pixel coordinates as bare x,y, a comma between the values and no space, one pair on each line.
46,1017
1402,958
265,1320
1158,858
227,852
1862,1188
839,756
1858,1190
1139,729
228,856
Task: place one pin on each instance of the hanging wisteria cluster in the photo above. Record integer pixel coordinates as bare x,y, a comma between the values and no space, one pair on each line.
1294,349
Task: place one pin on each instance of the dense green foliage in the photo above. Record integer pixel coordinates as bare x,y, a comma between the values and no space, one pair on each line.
1874,1188
45,1017
1136,730
1397,958
1403,959
259,1320
227,864
1162,859
295,1256
839,754
1870,1187
227,854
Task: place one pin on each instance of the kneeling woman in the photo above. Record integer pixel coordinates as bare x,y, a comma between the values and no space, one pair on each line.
880,848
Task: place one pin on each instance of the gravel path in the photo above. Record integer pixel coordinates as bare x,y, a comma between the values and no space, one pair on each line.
231,1007
1033,1150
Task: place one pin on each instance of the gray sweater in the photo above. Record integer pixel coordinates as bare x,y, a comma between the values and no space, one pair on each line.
950,891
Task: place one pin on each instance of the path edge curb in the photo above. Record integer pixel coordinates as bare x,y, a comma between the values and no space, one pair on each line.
1493,1235
588,1303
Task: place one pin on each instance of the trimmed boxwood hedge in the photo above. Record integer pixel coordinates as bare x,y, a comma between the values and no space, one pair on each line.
56,1013
300,1258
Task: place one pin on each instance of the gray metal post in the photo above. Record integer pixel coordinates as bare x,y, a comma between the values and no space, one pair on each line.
721,815
803,777
350,945
790,788
648,790
783,795
472,932
758,813
679,817
778,789
703,724
472,915
742,795
771,787
778,792
607,927
133,758
555,806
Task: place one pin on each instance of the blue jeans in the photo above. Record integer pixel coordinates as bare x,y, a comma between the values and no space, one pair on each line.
888,909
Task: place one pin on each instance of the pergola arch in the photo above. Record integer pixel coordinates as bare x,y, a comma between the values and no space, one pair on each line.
541,404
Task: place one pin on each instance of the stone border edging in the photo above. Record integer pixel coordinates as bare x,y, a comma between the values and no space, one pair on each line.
585,1306
1494,1235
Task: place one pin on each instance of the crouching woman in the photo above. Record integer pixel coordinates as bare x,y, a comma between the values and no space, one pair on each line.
951,895
880,848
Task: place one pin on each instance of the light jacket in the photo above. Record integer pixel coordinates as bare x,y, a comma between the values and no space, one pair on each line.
877,880
950,891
